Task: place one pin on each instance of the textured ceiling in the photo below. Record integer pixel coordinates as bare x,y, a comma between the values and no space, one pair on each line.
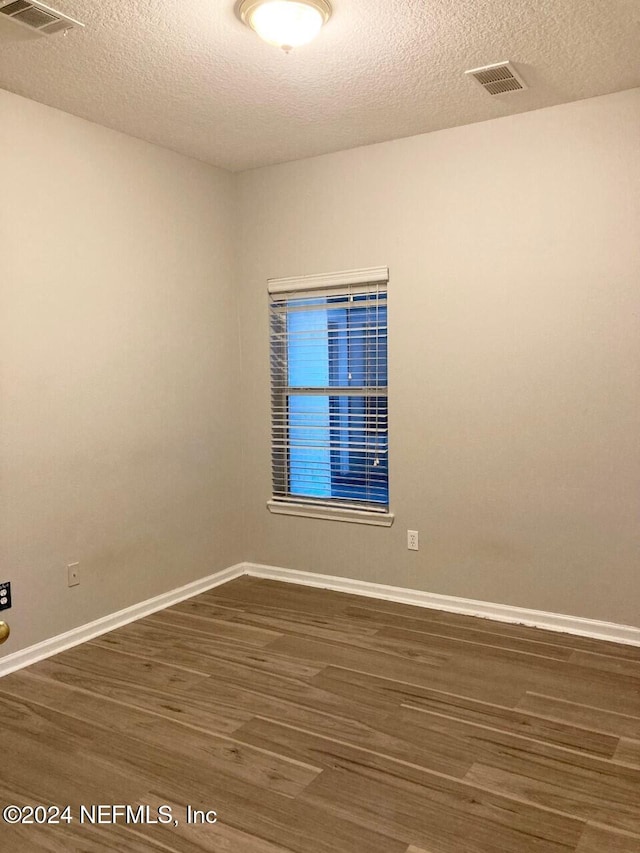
189,76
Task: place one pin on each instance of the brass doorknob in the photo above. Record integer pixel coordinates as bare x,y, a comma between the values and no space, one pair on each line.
5,630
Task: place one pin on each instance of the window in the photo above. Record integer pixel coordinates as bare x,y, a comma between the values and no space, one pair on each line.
329,394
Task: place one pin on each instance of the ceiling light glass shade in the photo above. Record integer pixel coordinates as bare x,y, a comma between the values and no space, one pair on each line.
286,23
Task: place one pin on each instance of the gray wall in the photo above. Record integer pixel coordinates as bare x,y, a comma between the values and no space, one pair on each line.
130,393
514,251
118,394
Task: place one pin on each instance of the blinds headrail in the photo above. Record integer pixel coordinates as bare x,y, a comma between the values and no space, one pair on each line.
329,281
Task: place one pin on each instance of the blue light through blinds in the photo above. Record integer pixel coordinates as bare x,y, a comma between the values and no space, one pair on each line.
329,396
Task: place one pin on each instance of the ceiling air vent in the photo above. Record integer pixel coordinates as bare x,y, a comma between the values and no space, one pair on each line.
37,16
498,78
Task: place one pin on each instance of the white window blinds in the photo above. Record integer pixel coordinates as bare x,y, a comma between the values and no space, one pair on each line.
329,412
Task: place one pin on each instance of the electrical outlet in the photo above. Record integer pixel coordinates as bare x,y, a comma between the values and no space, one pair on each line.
5,595
412,540
73,574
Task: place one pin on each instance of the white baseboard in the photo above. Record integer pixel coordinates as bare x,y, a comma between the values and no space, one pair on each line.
39,651
578,625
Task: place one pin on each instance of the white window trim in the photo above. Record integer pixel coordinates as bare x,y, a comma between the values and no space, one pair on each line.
331,513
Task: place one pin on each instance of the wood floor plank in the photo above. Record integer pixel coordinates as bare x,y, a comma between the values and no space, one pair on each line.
560,679
361,659
589,799
278,619
597,839
437,819
442,797
404,648
290,700
173,620
217,838
291,823
191,650
212,610
288,739
241,804
237,686
282,595
424,723
370,687
379,742
628,751
504,749
85,839
607,662
310,625
79,837
463,633
222,708
456,645
556,638
432,648
203,711
370,692
71,695
156,674
439,791
318,722
566,780
108,660
61,765
267,592
223,753
517,722
604,719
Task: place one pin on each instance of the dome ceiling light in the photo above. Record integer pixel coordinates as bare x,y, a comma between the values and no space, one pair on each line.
285,23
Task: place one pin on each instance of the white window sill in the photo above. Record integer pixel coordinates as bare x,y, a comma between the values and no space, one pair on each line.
355,516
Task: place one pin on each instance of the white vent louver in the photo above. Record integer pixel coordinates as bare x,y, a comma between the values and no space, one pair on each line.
498,78
37,16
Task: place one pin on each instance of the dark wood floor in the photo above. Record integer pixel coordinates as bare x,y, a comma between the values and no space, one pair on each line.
317,722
